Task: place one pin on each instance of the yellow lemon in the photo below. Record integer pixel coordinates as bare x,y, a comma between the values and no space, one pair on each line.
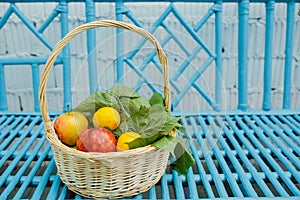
106,117
126,138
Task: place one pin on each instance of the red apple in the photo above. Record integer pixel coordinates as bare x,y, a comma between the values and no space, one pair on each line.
68,126
96,140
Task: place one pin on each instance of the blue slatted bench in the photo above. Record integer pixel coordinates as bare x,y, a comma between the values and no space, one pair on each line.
241,152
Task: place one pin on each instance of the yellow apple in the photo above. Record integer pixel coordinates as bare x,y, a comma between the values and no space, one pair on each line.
68,126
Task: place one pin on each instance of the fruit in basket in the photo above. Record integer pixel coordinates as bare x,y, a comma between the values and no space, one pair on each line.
68,126
146,116
126,138
96,140
106,117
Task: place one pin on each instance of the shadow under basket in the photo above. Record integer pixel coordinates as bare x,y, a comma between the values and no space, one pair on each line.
105,175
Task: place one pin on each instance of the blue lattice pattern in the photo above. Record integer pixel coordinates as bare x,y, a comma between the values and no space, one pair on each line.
35,61
179,91
236,156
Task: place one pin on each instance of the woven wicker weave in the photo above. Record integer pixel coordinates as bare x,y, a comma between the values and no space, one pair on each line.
105,175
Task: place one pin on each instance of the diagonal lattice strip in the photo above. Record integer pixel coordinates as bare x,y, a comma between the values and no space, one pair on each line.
160,22
37,32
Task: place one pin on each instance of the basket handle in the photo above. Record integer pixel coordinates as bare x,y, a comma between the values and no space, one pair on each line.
102,23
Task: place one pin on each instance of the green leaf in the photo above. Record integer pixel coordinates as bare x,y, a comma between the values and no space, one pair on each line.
96,101
129,100
152,123
136,103
175,145
168,143
183,163
131,105
156,98
138,142
120,90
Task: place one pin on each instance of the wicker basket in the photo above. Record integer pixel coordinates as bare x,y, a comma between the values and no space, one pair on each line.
105,175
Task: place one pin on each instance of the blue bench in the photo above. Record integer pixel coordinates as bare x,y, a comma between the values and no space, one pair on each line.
240,152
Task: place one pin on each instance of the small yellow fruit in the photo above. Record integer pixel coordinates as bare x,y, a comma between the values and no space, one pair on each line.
126,138
106,117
